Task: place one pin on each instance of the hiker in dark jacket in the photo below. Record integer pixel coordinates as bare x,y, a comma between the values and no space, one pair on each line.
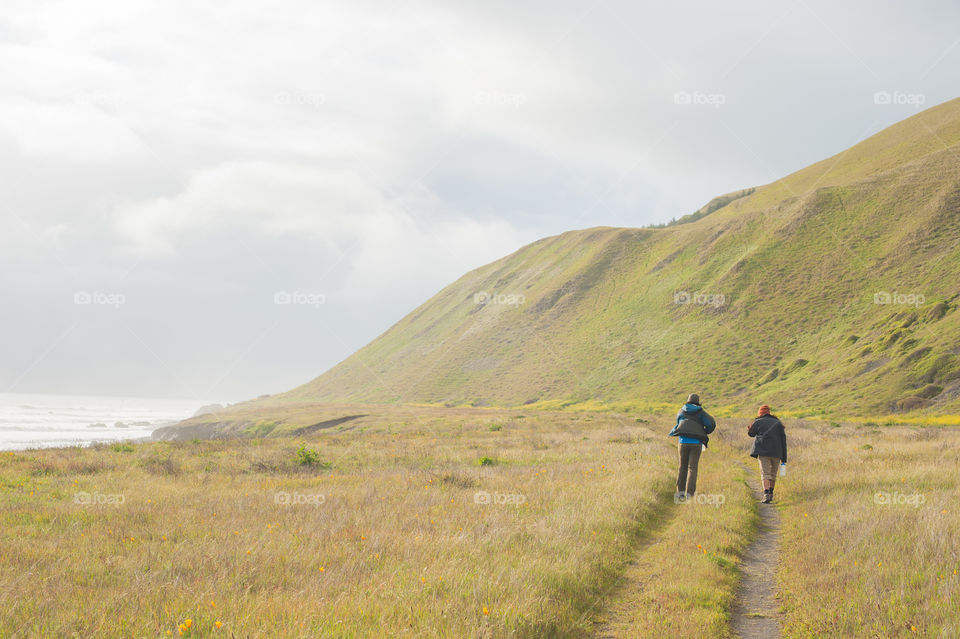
693,427
769,447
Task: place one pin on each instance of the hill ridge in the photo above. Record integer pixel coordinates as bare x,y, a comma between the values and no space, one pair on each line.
779,295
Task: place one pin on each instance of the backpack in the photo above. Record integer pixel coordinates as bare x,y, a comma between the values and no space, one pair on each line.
691,427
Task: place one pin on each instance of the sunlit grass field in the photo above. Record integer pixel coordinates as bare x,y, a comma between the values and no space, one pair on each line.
430,522
682,582
871,532
382,529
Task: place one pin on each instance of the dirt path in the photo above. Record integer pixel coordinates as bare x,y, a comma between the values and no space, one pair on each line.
756,612
643,603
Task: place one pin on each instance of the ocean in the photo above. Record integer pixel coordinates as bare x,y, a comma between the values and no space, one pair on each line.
41,421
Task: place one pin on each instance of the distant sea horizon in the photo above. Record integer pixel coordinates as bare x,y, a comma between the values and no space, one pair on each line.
35,420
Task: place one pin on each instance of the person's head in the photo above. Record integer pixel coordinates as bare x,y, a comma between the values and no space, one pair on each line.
763,410
694,399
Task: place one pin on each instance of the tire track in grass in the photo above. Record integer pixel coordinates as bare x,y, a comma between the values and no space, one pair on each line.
650,511
661,519
682,580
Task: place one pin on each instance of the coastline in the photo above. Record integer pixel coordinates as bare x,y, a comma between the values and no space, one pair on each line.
31,421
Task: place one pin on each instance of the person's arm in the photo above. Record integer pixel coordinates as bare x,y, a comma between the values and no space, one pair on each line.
752,430
673,432
783,442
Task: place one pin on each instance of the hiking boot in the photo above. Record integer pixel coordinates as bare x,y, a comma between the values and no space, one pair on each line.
767,498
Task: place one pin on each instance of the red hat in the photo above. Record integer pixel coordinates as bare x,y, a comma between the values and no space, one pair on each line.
764,410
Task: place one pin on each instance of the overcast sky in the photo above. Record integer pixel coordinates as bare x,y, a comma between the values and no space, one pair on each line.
169,170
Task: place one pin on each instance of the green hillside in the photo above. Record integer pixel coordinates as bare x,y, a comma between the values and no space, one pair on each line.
781,289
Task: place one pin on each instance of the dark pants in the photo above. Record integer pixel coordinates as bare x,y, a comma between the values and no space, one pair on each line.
689,460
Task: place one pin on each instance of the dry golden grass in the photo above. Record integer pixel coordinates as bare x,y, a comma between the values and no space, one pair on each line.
398,546
871,532
683,581
388,538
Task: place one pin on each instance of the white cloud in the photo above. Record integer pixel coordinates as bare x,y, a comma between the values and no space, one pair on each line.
383,244
79,133
398,144
264,197
398,251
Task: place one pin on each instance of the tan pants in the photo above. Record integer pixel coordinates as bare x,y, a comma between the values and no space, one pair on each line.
768,467
689,460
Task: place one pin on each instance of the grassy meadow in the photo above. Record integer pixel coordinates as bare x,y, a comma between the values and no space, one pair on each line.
871,532
373,530
429,522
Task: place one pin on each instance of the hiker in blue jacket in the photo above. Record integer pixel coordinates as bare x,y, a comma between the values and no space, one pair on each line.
693,427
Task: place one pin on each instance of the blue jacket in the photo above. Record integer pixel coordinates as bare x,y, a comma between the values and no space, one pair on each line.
694,411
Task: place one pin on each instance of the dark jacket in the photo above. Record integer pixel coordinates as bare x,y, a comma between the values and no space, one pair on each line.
770,438
694,422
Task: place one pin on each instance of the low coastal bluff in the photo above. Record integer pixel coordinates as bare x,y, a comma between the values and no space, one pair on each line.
186,431
263,420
